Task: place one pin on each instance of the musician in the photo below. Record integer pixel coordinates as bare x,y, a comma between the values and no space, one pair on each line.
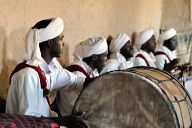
34,80
165,54
146,41
90,57
121,50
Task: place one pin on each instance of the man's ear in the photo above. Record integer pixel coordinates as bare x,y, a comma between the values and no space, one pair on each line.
50,43
94,57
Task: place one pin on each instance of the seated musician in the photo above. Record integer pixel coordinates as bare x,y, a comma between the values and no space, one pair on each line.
165,54
147,43
40,74
90,57
121,50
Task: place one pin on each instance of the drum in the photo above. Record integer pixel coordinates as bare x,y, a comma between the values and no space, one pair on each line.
136,98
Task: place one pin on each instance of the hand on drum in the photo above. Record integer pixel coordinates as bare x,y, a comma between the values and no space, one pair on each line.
170,66
87,81
72,122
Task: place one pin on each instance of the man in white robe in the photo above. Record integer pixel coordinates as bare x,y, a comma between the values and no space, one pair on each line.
90,57
147,44
121,50
41,73
166,52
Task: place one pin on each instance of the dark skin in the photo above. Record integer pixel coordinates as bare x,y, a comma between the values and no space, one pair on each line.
97,61
150,45
171,44
127,50
70,121
52,48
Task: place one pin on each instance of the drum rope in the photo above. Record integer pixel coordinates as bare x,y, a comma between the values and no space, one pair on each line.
170,78
180,110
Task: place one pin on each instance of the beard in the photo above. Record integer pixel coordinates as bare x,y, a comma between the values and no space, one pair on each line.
128,55
56,54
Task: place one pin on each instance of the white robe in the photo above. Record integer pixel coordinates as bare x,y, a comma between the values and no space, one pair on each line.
150,58
25,95
117,62
162,59
67,99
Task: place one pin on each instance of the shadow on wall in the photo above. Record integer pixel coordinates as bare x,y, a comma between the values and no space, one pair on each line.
6,63
12,53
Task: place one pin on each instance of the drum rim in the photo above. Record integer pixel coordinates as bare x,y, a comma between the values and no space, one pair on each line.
145,67
165,98
172,77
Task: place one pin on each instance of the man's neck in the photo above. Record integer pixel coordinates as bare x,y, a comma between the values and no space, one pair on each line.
127,58
46,57
90,65
167,47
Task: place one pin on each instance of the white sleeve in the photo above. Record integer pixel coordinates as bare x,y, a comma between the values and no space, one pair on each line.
111,65
160,61
139,62
79,74
66,80
29,94
106,69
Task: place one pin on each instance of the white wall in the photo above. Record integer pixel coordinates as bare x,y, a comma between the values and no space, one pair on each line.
83,18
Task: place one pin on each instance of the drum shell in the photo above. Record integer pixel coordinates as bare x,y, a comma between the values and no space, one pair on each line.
138,97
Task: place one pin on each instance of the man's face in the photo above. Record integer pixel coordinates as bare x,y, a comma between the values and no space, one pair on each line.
57,46
151,44
100,61
172,43
127,50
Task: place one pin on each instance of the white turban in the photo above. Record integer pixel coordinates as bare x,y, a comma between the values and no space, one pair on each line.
118,42
94,45
144,36
168,34
36,36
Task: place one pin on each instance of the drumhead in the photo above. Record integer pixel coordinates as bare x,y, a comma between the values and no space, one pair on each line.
122,99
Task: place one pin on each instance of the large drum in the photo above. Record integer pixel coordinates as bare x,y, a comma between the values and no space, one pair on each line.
136,98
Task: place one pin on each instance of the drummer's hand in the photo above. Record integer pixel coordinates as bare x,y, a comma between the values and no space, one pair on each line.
73,122
175,62
54,114
87,81
170,66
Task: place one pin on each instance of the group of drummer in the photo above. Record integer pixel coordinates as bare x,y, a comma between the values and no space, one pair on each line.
90,56
37,82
